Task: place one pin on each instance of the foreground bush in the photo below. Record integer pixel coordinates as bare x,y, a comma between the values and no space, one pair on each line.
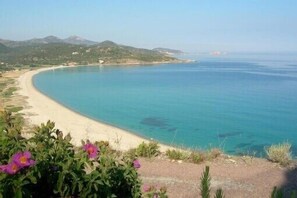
48,165
279,153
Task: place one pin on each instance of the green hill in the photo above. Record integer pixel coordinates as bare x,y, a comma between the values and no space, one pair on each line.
54,51
3,48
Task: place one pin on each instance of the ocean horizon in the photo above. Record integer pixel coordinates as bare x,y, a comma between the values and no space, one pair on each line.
240,104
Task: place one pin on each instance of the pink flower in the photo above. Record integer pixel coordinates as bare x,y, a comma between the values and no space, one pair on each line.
12,168
91,149
23,159
136,164
146,188
18,161
3,168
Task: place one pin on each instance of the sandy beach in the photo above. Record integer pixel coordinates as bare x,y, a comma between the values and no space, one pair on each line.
41,108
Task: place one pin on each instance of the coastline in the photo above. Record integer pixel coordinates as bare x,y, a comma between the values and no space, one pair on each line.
134,63
40,108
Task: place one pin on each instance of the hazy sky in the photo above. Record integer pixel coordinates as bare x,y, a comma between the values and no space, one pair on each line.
196,25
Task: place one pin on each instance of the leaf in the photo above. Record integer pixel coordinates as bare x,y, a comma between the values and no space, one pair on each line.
205,183
60,181
95,186
80,187
33,179
25,182
99,182
68,137
277,193
2,176
18,193
219,193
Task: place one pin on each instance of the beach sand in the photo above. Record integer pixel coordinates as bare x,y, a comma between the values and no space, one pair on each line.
41,108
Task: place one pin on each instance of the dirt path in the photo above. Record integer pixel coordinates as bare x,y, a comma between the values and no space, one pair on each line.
237,176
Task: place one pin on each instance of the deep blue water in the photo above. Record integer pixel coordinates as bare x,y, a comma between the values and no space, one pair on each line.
240,106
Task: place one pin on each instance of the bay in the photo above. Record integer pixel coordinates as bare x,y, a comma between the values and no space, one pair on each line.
238,104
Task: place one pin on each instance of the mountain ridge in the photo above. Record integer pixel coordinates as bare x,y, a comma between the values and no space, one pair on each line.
52,50
167,51
76,40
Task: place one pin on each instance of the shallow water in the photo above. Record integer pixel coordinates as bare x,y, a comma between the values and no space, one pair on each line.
240,106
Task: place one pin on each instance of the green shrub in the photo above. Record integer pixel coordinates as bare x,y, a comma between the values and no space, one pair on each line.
150,149
205,185
197,157
15,109
154,192
58,169
175,154
130,154
104,147
219,193
279,153
11,124
9,92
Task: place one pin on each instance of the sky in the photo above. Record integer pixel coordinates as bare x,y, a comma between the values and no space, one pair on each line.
189,25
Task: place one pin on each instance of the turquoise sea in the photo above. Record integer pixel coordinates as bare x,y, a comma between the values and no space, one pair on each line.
240,103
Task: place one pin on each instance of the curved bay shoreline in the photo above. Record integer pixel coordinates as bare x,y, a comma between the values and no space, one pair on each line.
40,108
237,176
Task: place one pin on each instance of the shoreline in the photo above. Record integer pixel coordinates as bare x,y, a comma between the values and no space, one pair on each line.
40,108
128,64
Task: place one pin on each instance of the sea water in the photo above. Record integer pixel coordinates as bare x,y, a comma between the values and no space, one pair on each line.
238,104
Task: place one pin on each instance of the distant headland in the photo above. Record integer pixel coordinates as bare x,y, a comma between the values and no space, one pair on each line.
75,50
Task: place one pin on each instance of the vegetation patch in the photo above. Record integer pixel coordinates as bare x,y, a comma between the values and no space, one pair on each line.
280,153
150,149
194,156
197,157
175,154
2,85
205,185
155,192
11,124
14,109
8,92
214,153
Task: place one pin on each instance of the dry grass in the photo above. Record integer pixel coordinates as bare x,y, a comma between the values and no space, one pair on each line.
176,154
279,153
195,156
214,153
